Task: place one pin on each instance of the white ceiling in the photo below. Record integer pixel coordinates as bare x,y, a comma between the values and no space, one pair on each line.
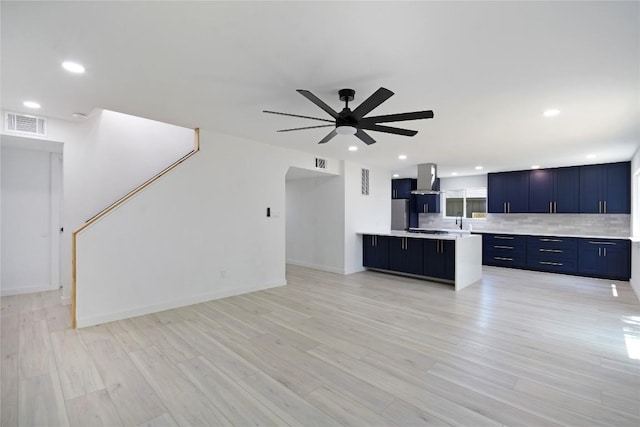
486,69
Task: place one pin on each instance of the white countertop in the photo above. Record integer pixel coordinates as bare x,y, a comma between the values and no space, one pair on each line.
453,235
530,233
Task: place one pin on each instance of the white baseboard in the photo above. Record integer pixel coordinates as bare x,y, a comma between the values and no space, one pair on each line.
354,270
27,290
140,311
635,285
315,266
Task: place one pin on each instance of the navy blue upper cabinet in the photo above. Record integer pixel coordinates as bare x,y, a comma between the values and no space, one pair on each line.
401,188
508,192
427,203
605,188
554,190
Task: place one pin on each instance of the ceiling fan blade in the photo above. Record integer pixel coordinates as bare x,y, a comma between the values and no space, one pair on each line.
372,102
365,137
297,115
388,129
311,97
328,137
308,127
416,115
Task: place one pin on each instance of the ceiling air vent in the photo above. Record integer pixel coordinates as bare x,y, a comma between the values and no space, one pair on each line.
365,182
33,125
321,163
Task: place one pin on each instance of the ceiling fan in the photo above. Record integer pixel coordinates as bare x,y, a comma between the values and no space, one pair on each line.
354,122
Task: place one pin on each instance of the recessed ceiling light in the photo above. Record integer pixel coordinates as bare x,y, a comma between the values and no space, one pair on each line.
395,175
402,157
591,156
73,67
479,168
31,104
353,148
535,167
454,173
551,112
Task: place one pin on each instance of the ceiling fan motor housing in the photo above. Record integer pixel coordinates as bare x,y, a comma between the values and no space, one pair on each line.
345,118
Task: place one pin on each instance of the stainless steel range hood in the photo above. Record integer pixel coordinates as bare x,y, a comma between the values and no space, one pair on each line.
428,181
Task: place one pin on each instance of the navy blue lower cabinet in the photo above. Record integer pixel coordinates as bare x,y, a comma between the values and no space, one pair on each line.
551,253
504,250
406,255
605,258
375,251
439,258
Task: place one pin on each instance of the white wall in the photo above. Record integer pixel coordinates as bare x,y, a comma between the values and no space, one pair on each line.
368,213
315,223
635,223
461,182
30,218
324,216
106,156
198,233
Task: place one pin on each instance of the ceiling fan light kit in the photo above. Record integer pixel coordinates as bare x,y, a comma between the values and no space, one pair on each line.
348,122
346,130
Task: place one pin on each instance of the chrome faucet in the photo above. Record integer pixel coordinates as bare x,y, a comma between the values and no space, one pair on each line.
459,214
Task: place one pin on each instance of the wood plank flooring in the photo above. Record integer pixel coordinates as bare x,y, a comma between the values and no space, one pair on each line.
369,349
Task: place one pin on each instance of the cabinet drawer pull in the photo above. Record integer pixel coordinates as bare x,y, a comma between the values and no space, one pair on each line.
502,247
503,237
557,251
499,258
550,263
605,206
551,240
602,243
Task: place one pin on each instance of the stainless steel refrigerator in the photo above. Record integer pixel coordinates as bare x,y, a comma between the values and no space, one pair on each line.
399,214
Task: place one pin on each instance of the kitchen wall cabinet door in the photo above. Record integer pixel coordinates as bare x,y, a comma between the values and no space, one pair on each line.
554,190
375,250
401,188
606,258
406,255
508,192
605,188
567,190
541,194
439,259
427,203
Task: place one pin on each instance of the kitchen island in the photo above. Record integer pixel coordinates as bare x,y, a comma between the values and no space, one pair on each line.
453,258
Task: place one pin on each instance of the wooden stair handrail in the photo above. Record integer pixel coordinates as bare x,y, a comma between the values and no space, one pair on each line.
112,207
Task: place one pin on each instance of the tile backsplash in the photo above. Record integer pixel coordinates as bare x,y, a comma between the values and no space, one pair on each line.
550,224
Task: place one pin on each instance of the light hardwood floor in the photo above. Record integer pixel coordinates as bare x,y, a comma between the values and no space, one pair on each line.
369,349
